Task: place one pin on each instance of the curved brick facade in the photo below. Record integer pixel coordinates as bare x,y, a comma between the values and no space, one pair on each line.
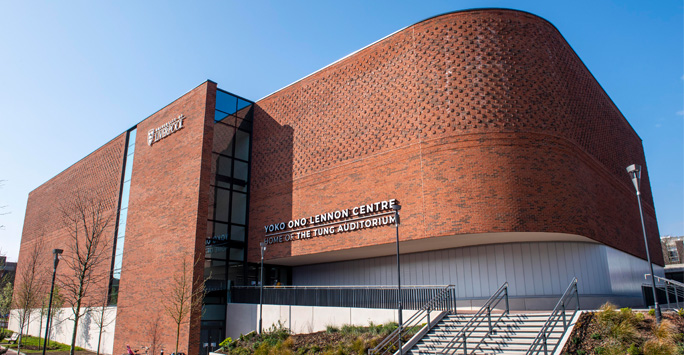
477,122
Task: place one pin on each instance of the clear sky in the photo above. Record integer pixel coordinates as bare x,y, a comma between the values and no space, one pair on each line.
74,74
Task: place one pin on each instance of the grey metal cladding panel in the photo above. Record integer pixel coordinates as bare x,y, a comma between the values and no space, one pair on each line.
547,268
553,272
500,264
532,269
460,272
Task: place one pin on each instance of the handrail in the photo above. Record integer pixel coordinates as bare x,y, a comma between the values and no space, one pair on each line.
413,297
389,287
677,288
484,313
414,321
662,279
541,341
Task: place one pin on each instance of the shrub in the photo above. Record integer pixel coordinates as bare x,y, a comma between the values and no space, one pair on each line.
331,329
665,331
608,315
5,333
627,315
624,332
348,329
226,343
639,317
651,312
659,347
680,312
634,350
359,346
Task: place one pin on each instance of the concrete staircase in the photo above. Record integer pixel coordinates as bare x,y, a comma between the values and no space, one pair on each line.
512,335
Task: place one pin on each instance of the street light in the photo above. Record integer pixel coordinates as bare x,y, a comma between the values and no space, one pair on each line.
634,171
57,253
261,289
396,209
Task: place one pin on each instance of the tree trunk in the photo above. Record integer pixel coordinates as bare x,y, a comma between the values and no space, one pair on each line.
73,335
40,329
102,324
177,336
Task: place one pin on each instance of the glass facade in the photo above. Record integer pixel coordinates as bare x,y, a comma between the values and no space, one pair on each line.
226,240
225,262
122,217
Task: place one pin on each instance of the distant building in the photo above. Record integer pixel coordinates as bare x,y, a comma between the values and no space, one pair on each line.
673,253
7,268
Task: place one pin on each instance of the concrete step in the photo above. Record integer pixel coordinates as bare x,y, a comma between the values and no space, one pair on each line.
513,334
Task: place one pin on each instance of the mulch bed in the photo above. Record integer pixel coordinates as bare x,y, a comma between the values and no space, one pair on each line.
581,339
320,339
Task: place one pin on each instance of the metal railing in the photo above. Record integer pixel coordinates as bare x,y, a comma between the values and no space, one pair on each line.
412,297
485,313
671,287
559,313
439,302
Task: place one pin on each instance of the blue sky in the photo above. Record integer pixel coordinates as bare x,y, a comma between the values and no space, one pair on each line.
74,74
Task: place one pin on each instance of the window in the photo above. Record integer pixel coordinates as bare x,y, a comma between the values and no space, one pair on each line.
122,218
672,254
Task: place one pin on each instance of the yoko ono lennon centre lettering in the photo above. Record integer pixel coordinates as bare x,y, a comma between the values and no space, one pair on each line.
359,217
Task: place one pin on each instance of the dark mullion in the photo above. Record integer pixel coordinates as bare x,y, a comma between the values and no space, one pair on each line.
238,159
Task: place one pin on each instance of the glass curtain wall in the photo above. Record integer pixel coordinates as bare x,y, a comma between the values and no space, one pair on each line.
121,218
226,240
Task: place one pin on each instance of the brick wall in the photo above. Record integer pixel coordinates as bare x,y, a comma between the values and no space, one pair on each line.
166,221
96,177
476,121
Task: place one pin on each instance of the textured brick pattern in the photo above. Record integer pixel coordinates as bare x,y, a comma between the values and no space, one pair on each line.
98,174
166,220
477,121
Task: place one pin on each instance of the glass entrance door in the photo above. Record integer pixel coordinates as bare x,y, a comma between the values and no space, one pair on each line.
210,337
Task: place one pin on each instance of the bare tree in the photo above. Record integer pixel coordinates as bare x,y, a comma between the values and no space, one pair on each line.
86,219
101,319
184,294
2,208
31,282
57,303
154,332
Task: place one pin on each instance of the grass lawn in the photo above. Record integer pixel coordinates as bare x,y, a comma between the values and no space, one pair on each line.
34,345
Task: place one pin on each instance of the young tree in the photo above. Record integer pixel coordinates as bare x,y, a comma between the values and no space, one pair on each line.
31,281
101,319
56,311
86,219
184,294
153,329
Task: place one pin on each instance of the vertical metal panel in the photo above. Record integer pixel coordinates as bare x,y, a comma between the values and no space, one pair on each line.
536,269
545,268
519,269
463,282
553,271
472,283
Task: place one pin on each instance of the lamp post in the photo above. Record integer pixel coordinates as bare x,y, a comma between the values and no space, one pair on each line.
634,171
262,246
396,209
56,253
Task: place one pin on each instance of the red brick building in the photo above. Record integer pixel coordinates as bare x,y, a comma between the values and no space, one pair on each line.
507,158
